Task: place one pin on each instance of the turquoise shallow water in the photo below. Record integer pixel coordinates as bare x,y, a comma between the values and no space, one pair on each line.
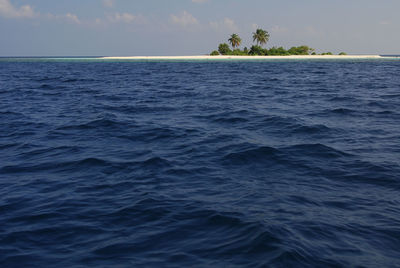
223,164
101,59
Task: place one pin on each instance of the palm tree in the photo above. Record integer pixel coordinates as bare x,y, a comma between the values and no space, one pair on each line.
235,40
261,36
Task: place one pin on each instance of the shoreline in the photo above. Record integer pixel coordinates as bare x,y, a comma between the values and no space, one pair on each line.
206,57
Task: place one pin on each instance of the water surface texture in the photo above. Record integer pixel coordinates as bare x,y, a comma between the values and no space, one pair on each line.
204,164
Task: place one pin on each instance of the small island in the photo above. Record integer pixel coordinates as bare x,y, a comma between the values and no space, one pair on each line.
261,37
255,52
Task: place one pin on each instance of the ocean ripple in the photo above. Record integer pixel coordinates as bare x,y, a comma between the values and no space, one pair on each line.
205,164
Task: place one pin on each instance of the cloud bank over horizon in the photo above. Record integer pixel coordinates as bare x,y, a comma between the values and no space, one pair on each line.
156,27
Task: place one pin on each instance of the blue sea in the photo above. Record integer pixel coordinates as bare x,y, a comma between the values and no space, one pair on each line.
279,163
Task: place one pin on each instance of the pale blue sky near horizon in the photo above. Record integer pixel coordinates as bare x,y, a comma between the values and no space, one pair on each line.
193,27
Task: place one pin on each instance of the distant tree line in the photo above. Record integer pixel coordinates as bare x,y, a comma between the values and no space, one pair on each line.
261,37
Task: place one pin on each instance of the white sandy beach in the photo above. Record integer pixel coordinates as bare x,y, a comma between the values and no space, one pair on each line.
207,57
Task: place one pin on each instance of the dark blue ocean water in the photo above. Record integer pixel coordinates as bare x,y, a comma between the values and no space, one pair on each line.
199,164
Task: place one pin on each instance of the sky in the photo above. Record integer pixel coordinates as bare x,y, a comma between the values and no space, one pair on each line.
194,27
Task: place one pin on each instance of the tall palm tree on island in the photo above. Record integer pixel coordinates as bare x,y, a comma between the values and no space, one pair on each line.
261,36
235,40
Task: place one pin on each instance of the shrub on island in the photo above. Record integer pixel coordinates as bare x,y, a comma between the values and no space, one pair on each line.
238,52
224,49
261,37
257,51
342,53
301,50
277,51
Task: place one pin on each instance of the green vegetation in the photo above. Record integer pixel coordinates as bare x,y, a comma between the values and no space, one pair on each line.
342,54
301,50
257,50
224,49
261,37
238,52
235,41
278,51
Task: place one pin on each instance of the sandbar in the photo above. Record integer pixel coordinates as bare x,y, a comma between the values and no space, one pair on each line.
207,57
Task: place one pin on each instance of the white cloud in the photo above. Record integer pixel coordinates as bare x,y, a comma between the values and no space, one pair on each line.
226,25
121,17
115,18
72,18
9,11
69,17
185,19
108,3
108,19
